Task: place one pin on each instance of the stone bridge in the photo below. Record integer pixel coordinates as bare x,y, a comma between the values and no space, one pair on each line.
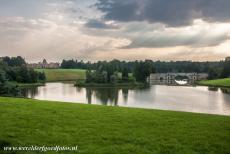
171,77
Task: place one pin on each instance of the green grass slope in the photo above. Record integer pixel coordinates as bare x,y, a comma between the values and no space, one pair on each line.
63,74
110,130
217,83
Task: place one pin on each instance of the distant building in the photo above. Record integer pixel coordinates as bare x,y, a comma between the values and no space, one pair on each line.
227,59
43,64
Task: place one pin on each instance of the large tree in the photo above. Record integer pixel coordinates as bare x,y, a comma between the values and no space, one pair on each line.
226,69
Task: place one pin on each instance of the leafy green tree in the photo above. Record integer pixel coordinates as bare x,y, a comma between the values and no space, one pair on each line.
2,76
226,70
41,76
214,73
125,74
8,89
14,69
114,78
14,61
142,70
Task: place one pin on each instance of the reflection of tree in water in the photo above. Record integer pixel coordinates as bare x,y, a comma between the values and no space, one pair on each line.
213,88
125,93
79,89
225,90
29,92
89,95
105,95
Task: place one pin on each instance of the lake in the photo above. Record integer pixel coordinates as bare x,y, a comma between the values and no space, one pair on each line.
178,98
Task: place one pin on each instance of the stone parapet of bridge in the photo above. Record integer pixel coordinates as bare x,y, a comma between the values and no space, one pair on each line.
172,76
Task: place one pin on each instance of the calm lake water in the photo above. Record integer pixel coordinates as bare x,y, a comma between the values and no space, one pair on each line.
179,98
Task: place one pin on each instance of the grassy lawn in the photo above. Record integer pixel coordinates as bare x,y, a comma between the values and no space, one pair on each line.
63,74
110,130
217,83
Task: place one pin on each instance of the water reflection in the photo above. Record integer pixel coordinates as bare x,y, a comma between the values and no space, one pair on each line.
213,88
170,82
107,96
180,98
225,90
29,92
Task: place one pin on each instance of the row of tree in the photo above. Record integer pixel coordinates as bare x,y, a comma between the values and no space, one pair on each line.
220,72
215,70
14,70
160,66
112,72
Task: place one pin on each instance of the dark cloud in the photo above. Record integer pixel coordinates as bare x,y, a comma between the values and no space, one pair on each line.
145,35
170,12
100,24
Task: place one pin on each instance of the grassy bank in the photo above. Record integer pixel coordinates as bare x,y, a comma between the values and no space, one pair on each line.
22,85
63,74
112,130
216,83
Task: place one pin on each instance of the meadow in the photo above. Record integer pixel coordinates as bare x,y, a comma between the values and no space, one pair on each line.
216,83
63,74
110,130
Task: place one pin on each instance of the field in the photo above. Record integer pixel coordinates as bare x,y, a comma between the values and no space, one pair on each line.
63,74
216,83
110,130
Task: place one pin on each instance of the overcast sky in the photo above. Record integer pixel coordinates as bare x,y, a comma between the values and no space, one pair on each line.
196,30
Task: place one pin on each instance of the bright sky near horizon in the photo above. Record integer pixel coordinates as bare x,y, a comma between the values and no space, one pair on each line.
196,30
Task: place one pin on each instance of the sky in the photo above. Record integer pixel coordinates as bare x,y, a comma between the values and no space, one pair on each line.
197,30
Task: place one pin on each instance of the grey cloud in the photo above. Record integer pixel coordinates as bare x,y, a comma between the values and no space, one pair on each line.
145,35
100,24
163,40
169,12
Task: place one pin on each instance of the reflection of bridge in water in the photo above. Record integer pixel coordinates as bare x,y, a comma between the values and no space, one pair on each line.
170,78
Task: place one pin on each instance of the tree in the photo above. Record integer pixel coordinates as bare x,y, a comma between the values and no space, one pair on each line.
2,76
125,74
6,88
226,69
89,76
41,76
214,73
14,61
142,70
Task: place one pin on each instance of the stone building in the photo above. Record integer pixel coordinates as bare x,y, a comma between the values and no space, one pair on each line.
44,64
227,59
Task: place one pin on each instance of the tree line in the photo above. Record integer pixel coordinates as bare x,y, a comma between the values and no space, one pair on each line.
220,72
218,69
160,66
13,69
114,72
